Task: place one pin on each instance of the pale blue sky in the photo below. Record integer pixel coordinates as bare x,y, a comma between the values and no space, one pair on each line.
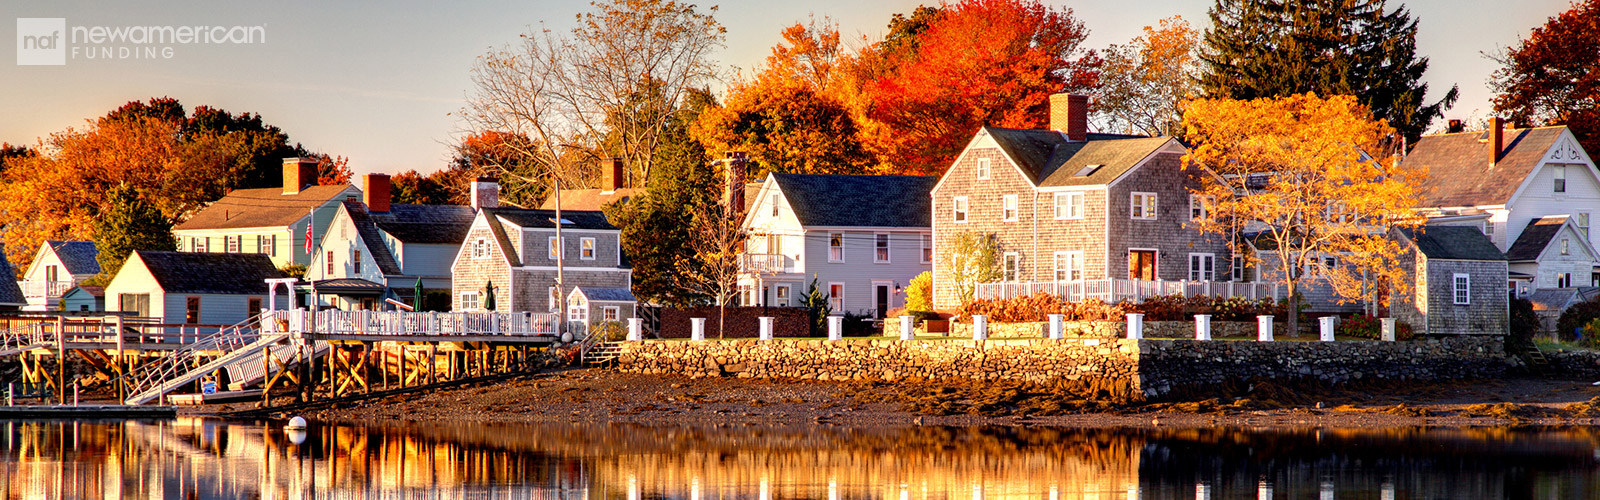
376,81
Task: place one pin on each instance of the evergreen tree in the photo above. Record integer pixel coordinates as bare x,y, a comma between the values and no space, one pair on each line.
1275,48
129,223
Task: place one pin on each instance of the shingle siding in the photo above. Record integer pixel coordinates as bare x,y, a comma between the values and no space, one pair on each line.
1164,175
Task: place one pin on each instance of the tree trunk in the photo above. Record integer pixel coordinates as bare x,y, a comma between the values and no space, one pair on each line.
1293,313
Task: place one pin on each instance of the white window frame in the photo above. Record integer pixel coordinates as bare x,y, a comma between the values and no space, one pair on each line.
1142,205
1068,266
233,243
1559,172
553,297
774,200
782,293
1197,207
927,248
984,168
1236,268
199,243
1581,221
1566,246
1461,288
1202,266
1563,280
880,248
328,256
554,249
958,209
1008,208
836,302
586,248
610,313
469,301
1011,267
835,252
1069,205
1488,230
480,249
355,261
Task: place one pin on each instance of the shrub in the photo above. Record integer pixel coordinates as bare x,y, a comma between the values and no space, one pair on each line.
919,293
609,331
1576,317
1038,306
1524,323
1367,326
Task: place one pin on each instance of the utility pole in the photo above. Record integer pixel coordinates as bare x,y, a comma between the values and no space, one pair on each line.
561,261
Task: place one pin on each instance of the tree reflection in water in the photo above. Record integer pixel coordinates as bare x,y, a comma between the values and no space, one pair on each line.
214,459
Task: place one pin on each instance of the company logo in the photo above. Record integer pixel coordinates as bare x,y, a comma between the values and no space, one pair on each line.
41,41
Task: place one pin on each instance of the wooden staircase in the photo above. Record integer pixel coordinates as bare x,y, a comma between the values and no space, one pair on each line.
1531,355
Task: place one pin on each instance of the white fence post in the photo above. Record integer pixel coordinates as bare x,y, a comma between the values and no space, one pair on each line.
907,330
635,329
697,329
980,327
1135,326
1202,327
1388,329
766,328
1326,323
1264,328
1056,326
835,327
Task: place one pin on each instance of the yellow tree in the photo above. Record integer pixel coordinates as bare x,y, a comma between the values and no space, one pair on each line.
1295,173
1144,82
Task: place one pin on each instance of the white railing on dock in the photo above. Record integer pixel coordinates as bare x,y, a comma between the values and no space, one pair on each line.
1117,290
401,323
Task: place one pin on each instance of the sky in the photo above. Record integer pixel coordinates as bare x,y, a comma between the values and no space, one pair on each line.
378,82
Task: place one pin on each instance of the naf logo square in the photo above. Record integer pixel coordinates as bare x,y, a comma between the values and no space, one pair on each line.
41,41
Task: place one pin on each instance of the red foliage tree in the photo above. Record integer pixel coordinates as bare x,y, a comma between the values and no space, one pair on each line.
1552,77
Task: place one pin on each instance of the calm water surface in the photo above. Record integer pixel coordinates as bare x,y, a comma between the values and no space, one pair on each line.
215,459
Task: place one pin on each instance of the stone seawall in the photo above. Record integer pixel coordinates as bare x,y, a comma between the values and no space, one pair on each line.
1576,365
1110,369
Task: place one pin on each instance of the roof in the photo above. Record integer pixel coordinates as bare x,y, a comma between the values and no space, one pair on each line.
1552,299
10,291
1536,237
442,224
527,218
1458,166
588,199
1453,243
346,285
265,207
1047,158
859,200
79,257
367,229
607,294
204,272
92,290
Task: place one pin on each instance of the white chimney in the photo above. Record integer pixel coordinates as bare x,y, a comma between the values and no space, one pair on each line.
485,193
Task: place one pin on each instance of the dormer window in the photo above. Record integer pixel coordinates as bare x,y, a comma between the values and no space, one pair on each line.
1561,178
1564,247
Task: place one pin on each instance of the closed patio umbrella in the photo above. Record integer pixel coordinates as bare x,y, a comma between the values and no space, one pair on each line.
488,296
416,294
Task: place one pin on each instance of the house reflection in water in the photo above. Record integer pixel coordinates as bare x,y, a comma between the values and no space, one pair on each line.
213,459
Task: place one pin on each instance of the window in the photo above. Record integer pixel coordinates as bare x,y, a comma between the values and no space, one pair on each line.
191,310
469,301
1237,268
983,168
927,249
480,249
1463,288
198,244
255,306
1581,220
774,205
1013,267
835,247
610,313
232,242
744,296
328,262
1561,178
586,248
264,244
1008,210
1564,280
553,249
783,295
836,297
1202,267
1069,266
1197,207
1565,248
578,310
555,299
1488,230
136,303
774,244
1143,206
959,207
880,248
1069,205
355,261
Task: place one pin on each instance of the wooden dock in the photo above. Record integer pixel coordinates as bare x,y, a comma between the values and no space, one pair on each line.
87,412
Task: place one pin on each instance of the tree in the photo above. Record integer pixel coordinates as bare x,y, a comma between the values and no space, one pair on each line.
1296,168
558,91
919,293
1275,48
412,188
1550,78
974,258
1144,82
1008,55
817,303
718,243
129,223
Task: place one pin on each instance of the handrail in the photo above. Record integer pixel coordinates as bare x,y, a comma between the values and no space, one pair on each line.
175,363
402,323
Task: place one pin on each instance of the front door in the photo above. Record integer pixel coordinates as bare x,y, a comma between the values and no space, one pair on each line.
1142,264
883,299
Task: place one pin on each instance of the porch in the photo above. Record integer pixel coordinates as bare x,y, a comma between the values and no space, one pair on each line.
1114,290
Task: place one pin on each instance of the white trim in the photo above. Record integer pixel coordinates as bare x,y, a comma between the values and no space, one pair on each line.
926,250
1197,201
1150,211
984,169
1080,206
1006,260
1204,274
571,268
842,293
589,240
829,240
1130,252
1009,202
555,250
1070,268
1169,147
564,230
963,206
888,248
1544,160
1461,289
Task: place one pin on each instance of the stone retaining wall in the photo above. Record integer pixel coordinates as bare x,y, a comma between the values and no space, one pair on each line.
1111,369
1577,365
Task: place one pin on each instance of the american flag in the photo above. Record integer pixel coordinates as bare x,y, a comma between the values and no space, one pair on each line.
311,218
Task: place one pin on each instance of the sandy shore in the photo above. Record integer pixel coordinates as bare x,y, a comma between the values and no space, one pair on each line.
600,395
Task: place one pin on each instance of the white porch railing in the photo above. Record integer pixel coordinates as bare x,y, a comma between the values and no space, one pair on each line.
763,263
45,289
1117,290
401,323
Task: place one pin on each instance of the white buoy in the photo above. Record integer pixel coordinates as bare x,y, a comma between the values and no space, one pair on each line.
296,424
296,436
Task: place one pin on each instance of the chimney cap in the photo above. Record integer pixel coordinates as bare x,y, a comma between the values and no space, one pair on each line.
486,179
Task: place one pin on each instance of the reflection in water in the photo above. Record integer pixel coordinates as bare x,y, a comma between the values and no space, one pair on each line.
213,459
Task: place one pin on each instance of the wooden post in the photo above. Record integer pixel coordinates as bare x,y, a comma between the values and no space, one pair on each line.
433,362
61,359
122,359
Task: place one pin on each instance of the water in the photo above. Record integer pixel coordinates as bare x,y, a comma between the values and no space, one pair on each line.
215,459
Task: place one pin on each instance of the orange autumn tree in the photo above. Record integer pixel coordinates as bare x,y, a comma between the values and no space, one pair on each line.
1296,173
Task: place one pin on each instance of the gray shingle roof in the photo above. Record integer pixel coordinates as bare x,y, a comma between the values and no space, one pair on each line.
608,294
1535,238
368,231
79,257
1049,159
1458,166
203,272
580,219
859,200
10,291
444,224
265,207
1453,242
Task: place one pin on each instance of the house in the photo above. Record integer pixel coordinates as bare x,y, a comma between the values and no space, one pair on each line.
586,305
57,267
11,297
390,246
611,190
1068,205
1508,181
268,221
860,237
509,256
191,287
1456,282
84,298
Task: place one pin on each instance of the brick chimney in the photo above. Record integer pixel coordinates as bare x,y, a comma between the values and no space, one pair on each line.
1496,140
298,173
611,175
1069,114
375,192
485,193
733,194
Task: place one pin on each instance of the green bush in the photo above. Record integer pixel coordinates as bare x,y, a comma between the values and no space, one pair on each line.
608,331
1524,323
1366,326
1577,317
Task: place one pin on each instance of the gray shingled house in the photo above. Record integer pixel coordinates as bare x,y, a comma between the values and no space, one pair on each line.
376,249
192,288
57,267
861,237
1457,282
